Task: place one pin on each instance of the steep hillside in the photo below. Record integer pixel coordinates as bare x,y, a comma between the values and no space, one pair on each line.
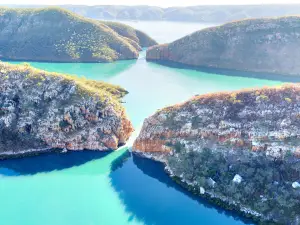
53,34
256,45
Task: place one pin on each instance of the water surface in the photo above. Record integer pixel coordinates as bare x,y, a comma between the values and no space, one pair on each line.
90,188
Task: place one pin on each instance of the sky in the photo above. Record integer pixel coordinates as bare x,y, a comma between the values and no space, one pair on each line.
162,3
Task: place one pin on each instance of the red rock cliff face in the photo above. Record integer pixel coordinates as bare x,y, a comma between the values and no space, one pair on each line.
256,45
256,120
42,110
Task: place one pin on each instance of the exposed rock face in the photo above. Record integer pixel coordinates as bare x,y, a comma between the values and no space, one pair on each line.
258,45
53,34
41,110
246,143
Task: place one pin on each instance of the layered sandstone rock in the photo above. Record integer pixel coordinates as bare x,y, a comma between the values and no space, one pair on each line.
211,139
41,110
258,120
256,45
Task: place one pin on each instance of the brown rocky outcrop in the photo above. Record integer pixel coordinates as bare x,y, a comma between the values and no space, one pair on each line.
250,119
41,110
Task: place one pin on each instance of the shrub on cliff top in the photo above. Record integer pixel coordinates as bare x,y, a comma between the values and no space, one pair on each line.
284,92
91,88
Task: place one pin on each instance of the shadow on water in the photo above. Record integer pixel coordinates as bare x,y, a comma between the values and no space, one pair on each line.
160,200
47,162
231,72
97,71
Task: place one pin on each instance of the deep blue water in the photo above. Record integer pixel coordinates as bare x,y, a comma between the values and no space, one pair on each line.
115,188
147,192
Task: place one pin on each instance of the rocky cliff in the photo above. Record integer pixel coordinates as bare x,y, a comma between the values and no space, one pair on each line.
238,149
53,34
256,45
41,111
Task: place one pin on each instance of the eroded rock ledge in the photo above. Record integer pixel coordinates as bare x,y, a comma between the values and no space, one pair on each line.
240,149
41,110
255,45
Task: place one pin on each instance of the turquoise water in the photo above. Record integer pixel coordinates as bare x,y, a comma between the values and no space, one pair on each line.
91,188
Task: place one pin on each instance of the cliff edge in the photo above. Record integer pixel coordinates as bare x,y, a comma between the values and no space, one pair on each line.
41,110
238,149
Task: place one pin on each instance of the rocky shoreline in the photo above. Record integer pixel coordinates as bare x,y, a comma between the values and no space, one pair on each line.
209,196
222,202
239,148
40,110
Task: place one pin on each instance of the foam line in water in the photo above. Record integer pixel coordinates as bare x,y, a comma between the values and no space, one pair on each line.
132,138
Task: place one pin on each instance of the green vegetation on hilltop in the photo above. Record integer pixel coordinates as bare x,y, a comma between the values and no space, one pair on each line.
90,88
55,34
265,46
280,93
138,36
43,110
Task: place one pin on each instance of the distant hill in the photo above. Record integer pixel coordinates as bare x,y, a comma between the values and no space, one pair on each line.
56,34
253,45
212,14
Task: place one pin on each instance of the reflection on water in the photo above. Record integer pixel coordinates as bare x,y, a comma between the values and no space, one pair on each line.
148,193
232,73
104,71
47,162
145,191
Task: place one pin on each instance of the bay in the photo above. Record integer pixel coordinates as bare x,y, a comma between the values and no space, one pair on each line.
116,188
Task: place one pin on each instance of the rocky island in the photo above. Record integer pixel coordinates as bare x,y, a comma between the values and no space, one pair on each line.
57,35
254,45
240,150
40,111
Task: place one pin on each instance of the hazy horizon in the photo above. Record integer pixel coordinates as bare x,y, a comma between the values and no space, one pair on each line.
146,2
